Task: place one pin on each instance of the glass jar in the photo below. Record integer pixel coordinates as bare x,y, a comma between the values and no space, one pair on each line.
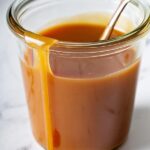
80,96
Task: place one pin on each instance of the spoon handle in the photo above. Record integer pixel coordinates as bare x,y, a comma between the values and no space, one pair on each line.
109,29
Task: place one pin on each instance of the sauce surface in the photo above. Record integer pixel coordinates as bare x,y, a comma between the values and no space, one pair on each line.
77,32
91,98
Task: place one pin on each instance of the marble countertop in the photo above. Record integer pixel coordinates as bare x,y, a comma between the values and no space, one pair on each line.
15,131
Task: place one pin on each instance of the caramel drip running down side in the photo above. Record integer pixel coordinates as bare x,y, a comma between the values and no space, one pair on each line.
43,45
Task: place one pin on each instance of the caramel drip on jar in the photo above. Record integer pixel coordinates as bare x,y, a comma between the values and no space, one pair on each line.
42,46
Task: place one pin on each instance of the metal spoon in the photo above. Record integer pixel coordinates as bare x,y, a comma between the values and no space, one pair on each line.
109,29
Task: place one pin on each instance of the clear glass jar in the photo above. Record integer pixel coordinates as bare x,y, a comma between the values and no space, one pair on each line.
83,98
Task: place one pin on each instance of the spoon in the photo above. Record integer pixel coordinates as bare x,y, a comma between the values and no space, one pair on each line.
109,29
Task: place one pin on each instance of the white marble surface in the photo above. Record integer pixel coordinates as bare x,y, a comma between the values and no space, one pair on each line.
15,132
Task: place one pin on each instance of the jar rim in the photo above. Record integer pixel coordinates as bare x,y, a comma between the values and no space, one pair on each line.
126,39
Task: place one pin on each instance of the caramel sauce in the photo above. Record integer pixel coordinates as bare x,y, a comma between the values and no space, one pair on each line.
79,103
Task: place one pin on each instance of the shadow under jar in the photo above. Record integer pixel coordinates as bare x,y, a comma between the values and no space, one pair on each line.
90,85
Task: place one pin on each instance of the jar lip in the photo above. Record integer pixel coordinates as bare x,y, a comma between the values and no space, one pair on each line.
128,38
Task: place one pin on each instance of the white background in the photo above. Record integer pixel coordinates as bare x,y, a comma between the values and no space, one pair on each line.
15,132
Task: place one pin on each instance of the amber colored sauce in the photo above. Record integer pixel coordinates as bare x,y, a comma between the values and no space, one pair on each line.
91,98
77,32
